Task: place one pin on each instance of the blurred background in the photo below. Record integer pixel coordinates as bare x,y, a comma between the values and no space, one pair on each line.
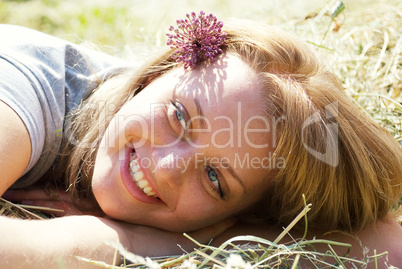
126,22
360,39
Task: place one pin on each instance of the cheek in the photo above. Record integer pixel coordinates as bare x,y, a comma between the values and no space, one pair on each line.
198,210
104,187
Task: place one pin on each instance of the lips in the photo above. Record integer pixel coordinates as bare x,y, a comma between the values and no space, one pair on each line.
136,180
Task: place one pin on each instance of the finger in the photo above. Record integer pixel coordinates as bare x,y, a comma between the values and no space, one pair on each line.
35,194
58,208
14,195
53,207
32,194
61,194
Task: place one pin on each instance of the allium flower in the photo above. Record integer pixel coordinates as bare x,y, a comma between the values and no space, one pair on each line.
196,39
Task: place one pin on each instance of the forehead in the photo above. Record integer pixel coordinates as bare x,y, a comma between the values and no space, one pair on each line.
229,94
220,85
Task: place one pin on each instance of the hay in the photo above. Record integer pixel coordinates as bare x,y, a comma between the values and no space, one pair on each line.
364,49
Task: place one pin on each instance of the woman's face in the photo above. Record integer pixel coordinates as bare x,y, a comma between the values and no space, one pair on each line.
189,150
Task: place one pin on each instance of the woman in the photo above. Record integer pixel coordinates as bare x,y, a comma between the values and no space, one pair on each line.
251,124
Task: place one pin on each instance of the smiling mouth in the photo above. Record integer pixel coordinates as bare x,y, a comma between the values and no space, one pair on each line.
138,176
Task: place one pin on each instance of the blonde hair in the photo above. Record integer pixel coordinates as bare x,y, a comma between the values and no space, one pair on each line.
348,190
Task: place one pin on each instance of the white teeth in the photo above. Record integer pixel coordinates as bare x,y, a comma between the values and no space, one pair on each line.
147,189
142,184
138,177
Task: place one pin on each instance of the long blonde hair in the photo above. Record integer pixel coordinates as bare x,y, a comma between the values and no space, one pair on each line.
354,186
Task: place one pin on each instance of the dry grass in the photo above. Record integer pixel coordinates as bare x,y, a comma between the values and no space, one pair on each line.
364,48
257,253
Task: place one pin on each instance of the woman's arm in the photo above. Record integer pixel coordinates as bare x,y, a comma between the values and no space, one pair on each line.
15,147
49,243
55,242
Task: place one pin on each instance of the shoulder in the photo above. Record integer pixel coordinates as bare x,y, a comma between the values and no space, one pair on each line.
384,236
15,147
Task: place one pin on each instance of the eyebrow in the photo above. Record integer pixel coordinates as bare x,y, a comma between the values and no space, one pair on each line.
227,166
200,114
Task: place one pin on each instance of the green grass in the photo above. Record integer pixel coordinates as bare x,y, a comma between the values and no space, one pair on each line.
362,44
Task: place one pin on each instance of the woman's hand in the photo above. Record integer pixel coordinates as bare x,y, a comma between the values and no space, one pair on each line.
58,201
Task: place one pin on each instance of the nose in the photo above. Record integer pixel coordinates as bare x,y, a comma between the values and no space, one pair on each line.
175,163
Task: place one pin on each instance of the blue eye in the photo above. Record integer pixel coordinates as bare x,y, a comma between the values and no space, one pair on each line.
181,114
213,177
181,118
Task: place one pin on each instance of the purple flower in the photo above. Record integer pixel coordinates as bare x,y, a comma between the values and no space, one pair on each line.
196,39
